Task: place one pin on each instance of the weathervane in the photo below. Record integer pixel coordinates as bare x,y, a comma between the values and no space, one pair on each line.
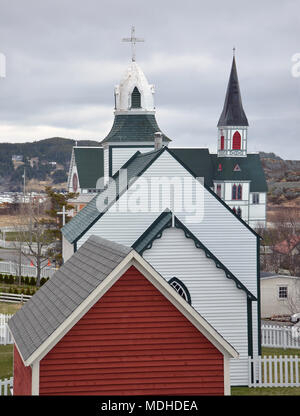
133,41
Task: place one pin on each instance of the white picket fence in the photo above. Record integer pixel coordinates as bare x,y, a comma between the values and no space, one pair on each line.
6,387
280,336
5,335
274,371
13,268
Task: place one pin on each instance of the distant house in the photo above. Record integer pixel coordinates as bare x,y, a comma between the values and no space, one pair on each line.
107,323
279,294
17,158
289,246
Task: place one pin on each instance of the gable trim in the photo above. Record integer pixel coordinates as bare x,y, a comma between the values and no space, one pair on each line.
198,244
133,259
119,193
210,255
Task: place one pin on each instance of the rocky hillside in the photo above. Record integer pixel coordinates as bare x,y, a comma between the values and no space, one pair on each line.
46,162
283,177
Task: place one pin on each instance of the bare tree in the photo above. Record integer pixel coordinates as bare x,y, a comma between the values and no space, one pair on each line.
32,234
279,249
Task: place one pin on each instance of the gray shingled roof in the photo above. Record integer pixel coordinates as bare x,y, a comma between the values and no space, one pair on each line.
64,292
90,213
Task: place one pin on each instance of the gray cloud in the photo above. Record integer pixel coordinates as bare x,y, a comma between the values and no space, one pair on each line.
64,58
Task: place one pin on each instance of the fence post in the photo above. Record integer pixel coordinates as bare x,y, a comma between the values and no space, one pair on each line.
284,339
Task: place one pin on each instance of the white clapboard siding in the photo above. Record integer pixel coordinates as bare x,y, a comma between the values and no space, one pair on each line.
273,371
219,230
213,295
120,155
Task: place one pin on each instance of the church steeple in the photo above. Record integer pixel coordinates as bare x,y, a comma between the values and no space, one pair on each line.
233,122
233,113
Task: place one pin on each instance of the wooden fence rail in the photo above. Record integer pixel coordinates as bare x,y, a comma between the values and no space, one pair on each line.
13,297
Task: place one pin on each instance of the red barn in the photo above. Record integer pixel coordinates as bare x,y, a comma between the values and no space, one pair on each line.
108,324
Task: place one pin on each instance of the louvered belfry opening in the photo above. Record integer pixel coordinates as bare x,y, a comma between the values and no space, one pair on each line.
135,98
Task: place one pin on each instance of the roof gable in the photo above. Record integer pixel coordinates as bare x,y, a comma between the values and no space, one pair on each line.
135,166
165,220
77,286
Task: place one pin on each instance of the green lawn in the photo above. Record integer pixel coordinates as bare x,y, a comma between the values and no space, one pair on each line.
9,308
6,361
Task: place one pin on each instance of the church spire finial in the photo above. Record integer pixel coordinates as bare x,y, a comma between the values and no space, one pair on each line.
133,41
233,51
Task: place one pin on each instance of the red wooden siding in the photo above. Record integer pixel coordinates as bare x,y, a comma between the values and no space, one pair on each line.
133,341
22,376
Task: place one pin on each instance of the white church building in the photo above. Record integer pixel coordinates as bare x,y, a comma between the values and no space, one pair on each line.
211,259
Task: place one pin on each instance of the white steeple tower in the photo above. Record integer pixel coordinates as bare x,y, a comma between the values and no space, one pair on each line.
134,95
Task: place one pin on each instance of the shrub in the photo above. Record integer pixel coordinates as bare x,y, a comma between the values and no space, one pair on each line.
32,281
26,280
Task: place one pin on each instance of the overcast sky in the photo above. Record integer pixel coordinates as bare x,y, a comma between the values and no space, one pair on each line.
63,59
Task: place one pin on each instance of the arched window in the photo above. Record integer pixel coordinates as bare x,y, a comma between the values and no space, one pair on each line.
239,212
234,210
239,192
234,192
236,141
135,98
180,288
220,167
219,189
222,143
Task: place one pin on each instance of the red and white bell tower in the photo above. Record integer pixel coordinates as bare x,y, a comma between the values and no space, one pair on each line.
233,123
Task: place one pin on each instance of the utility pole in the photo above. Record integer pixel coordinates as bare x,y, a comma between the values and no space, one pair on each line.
24,186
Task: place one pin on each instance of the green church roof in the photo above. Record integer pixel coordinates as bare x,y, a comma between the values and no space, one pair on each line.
248,168
89,163
132,128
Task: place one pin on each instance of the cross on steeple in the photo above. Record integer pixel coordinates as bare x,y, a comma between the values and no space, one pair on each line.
133,41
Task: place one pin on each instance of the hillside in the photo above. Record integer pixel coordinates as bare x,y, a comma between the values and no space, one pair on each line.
46,162
283,177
